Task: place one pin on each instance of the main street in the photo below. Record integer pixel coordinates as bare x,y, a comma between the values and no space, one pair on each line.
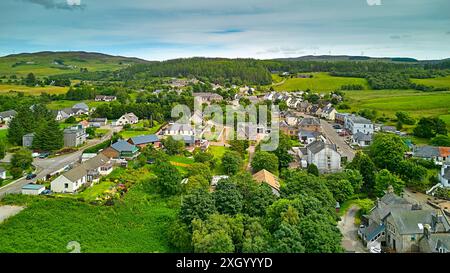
48,166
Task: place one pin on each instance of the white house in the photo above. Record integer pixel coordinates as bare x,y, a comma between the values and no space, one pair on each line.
324,156
89,171
329,112
128,118
33,189
362,140
356,124
307,137
180,129
7,116
2,173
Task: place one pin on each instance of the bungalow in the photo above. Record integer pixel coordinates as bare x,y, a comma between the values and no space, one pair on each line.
362,140
121,150
7,116
105,98
267,177
98,122
179,129
2,173
76,110
128,118
88,172
310,124
33,189
324,156
144,140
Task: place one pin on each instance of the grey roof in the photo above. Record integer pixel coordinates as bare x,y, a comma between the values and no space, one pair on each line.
188,139
360,136
32,187
123,146
434,242
96,162
318,146
309,121
306,133
81,105
388,128
426,151
359,119
407,221
393,199
9,113
447,173
180,127
75,173
144,139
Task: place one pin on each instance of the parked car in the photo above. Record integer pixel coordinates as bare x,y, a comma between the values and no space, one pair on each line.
337,126
46,192
34,155
44,155
31,176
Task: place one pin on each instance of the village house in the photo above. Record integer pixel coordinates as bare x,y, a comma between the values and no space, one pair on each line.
325,156
340,118
290,130
128,118
304,107
74,136
121,150
315,110
356,124
105,98
362,140
329,112
7,116
145,140
396,224
207,98
439,155
264,176
310,124
76,110
179,129
97,122
88,172
27,140
308,137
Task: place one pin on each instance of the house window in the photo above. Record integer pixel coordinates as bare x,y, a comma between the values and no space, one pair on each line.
413,238
66,185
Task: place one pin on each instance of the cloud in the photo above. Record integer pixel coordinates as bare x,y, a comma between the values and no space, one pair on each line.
227,31
54,4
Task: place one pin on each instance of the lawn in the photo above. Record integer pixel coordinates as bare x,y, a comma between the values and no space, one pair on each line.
60,104
138,223
439,82
218,152
3,133
6,88
446,119
138,130
388,102
181,159
321,82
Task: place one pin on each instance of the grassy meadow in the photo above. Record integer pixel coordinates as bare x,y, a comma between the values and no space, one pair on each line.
321,82
6,89
439,82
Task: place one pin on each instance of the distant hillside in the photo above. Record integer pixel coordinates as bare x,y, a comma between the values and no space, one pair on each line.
337,58
52,63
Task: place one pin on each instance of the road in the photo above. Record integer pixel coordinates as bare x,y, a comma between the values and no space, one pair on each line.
49,165
349,230
333,137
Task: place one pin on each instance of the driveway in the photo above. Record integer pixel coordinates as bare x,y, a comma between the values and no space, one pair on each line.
8,211
349,230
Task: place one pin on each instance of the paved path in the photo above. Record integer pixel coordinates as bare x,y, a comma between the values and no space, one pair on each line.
349,230
8,211
342,146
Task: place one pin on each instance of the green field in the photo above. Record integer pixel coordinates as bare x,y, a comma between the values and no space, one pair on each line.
388,102
439,82
12,88
60,104
43,64
321,82
138,223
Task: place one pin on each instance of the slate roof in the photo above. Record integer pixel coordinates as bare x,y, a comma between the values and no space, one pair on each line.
318,146
426,151
306,133
123,146
144,139
360,136
309,121
81,105
359,120
447,173
9,113
408,221
96,162
75,173
434,242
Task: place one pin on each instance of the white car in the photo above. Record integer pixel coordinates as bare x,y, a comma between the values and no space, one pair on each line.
375,250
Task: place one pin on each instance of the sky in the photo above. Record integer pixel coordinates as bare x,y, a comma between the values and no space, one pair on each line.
262,29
